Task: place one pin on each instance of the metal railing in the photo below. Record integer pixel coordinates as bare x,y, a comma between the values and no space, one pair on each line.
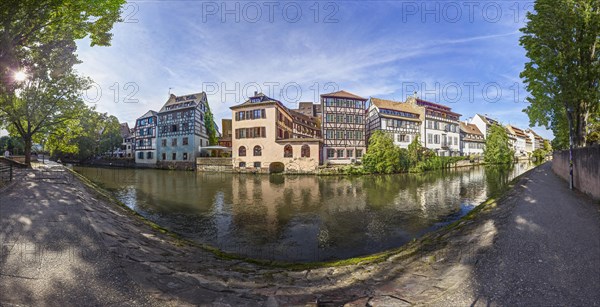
6,172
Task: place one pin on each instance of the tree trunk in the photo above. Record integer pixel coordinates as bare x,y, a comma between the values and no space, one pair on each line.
28,142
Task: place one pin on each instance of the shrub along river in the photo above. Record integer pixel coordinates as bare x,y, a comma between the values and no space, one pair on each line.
302,218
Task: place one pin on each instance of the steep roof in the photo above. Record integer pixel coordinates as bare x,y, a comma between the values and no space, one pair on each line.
124,130
470,128
518,131
259,99
192,100
148,114
397,106
488,120
435,106
343,94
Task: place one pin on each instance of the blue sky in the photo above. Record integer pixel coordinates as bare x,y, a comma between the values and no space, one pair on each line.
462,54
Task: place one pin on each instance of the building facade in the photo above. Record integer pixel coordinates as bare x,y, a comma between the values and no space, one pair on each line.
145,138
520,145
344,127
127,145
267,139
472,141
402,121
181,129
483,123
536,140
440,132
225,139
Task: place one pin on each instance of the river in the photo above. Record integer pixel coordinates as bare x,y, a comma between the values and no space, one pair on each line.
302,218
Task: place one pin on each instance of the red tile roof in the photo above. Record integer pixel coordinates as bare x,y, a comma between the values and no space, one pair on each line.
343,94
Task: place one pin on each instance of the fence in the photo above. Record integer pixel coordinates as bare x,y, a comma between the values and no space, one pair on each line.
586,169
6,172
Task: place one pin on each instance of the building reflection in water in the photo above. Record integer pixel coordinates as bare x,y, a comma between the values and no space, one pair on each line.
302,218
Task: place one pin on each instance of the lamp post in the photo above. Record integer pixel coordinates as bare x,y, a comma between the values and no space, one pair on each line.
570,119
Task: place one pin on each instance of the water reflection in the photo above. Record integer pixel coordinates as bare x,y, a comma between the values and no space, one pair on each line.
302,218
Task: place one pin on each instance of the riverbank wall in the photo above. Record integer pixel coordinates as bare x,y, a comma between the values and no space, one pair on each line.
214,165
586,169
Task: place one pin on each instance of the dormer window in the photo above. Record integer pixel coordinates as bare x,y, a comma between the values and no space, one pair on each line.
253,100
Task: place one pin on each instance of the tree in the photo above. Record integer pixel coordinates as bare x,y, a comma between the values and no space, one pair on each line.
497,148
38,37
211,131
562,38
27,25
12,144
415,151
91,134
382,155
48,100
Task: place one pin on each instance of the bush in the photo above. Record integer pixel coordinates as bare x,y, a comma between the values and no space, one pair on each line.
382,156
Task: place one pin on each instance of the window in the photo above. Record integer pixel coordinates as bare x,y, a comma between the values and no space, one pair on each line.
359,153
288,152
164,156
149,155
349,153
174,156
455,140
429,138
185,156
329,134
330,153
140,155
173,128
242,164
436,139
164,142
350,135
185,141
436,125
305,151
257,164
173,142
403,138
242,151
257,151
340,153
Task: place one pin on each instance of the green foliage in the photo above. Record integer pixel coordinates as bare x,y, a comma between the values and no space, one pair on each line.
27,27
13,144
85,137
435,162
209,123
497,148
562,40
538,155
39,37
415,151
382,156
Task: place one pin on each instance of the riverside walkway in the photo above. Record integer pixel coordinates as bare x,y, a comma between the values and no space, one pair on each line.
63,243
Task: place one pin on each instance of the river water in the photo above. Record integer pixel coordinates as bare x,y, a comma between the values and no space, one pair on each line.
302,218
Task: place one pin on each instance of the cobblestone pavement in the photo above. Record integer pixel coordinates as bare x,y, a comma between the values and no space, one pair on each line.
92,250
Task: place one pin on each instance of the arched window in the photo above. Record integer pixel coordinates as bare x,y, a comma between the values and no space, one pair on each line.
288,152
305,151
257,151
242,151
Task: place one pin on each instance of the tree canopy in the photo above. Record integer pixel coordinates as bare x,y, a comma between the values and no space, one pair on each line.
37,39
382,156
497,147
562,38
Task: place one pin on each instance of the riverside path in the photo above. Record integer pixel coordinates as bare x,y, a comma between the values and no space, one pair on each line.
61,243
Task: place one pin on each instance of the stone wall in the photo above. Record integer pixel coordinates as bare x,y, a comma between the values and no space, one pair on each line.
221,165
586,169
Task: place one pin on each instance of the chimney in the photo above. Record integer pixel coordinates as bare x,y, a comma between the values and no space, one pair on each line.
255,93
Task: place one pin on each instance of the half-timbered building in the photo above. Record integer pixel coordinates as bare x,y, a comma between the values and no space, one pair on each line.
402,121
344,127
